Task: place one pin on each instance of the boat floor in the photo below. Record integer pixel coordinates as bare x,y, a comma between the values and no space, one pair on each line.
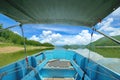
58,64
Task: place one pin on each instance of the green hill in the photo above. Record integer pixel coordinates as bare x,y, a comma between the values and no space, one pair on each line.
7,36
106,47
106,42
73,46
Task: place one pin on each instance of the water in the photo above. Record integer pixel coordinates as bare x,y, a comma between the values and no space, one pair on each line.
111,63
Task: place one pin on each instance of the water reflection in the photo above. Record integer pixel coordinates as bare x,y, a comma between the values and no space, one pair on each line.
111,63
89,54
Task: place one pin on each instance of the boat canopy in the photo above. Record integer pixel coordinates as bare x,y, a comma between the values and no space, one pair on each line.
74,12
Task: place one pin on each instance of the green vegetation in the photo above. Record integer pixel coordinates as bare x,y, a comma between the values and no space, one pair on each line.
106,47
11,47
7,36
106,42
7,58
73,46
108,52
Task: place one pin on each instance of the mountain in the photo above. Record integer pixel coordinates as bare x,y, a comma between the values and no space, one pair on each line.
73,46
7,36
106,42
106,47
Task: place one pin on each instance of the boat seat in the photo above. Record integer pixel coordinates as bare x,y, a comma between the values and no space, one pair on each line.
80,72
37,59
22,72
34,61
77,77
34,75
78,69
86,77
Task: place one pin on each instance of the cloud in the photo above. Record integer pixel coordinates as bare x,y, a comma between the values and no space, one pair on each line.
49,36
107,26
52,27
69,29
116,12
116,32
35,38
46,33
16,32
81,38
96,37
110,25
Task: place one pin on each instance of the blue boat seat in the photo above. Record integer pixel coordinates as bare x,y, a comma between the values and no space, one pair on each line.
86,77
77,77
78,69
21,73
34,61
80,72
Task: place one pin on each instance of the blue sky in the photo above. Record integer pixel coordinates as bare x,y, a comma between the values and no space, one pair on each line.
59,34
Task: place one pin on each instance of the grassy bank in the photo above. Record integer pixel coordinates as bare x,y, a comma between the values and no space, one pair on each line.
12,57
108,52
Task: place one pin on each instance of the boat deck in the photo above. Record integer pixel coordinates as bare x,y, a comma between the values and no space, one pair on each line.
57,65
61,63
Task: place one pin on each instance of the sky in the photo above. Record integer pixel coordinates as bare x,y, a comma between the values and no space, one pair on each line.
60,34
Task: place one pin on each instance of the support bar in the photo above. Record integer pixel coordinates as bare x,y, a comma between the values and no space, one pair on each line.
9,27
113,39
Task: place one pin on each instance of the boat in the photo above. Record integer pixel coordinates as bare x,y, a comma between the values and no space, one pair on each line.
58,64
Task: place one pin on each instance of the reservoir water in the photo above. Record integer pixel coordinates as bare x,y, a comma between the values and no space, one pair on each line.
111,63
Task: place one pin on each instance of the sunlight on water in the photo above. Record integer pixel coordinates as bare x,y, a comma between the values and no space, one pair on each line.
111,63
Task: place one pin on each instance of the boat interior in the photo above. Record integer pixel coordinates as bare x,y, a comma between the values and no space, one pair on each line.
57,64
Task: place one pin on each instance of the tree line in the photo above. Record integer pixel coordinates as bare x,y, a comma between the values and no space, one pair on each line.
11,37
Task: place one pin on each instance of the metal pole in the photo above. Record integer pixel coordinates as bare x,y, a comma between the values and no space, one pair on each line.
113,39
9,27
25,52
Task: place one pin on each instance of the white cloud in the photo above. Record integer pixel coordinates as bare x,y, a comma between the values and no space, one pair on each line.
96,37
51,27
107,27
109,24
34,37
46,33
116,12
84,38
49,36
81,38
58,27
116,32
16,32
